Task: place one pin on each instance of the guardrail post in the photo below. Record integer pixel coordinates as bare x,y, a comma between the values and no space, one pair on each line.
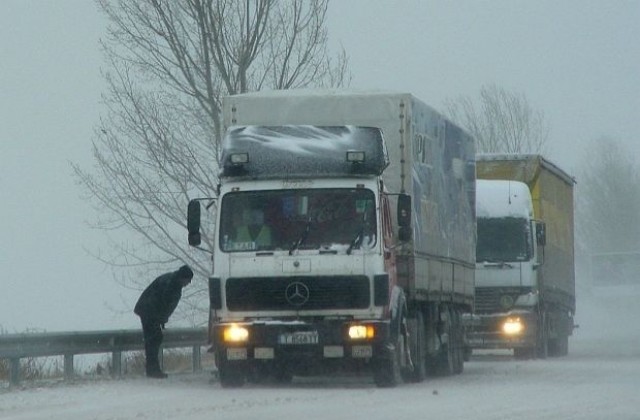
68,366
14,374
196,359
116,364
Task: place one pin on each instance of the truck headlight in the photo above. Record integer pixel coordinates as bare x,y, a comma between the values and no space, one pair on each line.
235,334
361,332
512,326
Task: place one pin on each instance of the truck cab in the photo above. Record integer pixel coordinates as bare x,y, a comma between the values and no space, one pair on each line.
507,259
304,265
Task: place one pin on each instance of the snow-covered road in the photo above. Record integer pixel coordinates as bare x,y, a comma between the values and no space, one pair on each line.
589,384
600,379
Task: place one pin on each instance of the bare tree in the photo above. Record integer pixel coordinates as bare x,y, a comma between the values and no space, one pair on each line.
608,199
168,64
501,121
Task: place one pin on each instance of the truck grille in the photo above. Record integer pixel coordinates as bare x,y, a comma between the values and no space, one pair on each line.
497,299
297,293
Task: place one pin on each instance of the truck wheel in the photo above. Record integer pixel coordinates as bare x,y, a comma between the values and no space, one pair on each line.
559,346
466,353
458,344
542,341
386,372
563,345
523,353
445,360
282,375
231,376
418,346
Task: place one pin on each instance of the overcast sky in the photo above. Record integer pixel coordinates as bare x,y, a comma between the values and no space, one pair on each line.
578,61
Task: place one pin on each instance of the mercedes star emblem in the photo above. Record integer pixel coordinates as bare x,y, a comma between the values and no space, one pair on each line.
297,293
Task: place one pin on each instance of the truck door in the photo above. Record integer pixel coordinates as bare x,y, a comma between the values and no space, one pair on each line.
388,241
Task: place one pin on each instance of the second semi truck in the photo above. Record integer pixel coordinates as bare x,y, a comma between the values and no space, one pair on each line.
525,281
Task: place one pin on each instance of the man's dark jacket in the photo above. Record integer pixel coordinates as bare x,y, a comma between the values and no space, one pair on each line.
160,298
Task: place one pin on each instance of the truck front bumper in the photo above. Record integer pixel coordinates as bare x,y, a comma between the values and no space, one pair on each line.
509,330
303,345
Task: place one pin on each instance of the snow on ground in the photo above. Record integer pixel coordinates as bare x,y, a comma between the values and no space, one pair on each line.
598,380
492,387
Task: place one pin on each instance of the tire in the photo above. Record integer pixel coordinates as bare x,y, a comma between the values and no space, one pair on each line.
523,353
418,346
542,340
282,375
458,344
466,353
563,345
386,372
559,346
445,360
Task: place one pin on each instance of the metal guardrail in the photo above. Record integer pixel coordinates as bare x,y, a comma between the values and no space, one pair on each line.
68,344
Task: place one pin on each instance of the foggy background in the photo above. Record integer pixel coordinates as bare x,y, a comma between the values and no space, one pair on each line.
578,61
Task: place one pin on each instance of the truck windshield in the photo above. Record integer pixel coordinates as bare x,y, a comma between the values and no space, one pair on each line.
323,219
503,239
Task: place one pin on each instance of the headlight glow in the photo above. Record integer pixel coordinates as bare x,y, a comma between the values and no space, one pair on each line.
512,326
361,332
235,334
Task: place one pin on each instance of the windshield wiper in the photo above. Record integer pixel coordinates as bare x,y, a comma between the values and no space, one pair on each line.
357,240
302,238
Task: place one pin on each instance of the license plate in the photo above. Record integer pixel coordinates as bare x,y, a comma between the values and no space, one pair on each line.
299,337
237,353
361,352
475,341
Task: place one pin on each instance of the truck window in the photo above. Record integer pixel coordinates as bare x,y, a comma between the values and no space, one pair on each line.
503,239
275,220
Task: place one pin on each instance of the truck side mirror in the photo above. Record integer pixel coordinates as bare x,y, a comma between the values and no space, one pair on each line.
541,233
404,210
193,222
404,217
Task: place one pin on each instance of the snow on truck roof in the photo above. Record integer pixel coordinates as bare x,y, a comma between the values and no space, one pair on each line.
303,150
499,198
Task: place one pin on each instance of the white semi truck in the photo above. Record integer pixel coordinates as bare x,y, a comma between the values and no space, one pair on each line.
344,237
525,281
